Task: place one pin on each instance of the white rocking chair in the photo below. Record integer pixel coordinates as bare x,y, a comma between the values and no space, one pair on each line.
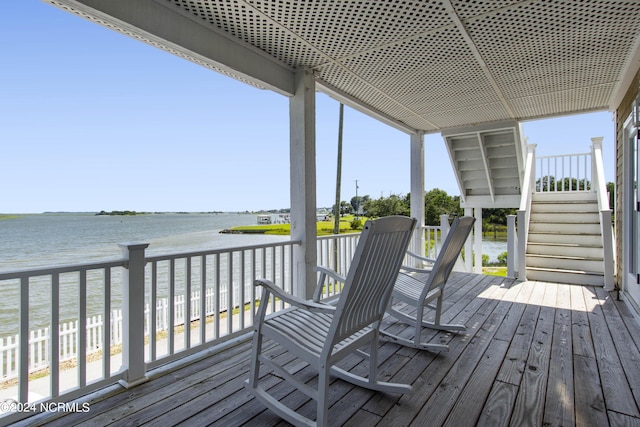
323,334
418,287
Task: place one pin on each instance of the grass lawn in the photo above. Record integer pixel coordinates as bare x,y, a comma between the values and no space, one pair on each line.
324,228
495,271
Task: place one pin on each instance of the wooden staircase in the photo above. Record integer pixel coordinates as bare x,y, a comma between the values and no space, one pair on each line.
565,239
488,165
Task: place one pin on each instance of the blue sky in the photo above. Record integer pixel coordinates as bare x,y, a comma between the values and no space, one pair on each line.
93,120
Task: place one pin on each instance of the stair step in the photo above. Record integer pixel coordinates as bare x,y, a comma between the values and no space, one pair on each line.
565,249
564,197
567,228
539,207
566,217
577,277
562,238
565,262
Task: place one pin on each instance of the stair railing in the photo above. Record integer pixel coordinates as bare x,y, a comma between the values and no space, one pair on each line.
564,173
600,187
524,212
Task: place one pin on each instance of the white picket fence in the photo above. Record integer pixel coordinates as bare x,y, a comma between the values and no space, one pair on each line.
39,339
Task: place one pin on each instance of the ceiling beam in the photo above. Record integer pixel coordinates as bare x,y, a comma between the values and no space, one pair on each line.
476,54
354,103
174,30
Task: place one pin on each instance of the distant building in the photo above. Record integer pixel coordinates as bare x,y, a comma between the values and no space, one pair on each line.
264,219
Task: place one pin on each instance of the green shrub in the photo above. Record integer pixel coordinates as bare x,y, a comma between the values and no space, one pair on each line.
502,258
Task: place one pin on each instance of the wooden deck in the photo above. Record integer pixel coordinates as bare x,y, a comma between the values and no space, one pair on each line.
534,354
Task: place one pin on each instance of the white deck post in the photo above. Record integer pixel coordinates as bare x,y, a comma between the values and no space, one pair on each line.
133,315
468,246
599,185
512,247
417,190
302,123
477,240
444,227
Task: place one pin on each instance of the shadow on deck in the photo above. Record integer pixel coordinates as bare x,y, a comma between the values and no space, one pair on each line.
534,353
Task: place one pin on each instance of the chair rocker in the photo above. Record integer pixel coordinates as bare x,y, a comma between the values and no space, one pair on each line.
322,334
419,287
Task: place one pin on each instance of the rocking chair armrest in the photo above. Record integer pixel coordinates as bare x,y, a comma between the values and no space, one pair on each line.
421,258
418,269
270,288
408,269
324,271
329,272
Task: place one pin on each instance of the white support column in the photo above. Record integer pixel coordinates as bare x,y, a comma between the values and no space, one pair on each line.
417,190
133,315
302,123
477,240
512,247
468,246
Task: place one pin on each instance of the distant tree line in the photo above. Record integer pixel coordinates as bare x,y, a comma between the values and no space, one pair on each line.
125,213
436,202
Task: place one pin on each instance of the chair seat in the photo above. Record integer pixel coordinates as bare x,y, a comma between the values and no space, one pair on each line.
409,286
307,331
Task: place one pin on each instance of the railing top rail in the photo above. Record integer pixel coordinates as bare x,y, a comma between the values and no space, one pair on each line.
562,155
165,257
528,183
44,271
69,268
338,236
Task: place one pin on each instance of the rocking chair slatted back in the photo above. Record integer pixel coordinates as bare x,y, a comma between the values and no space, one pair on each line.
446,260
369,282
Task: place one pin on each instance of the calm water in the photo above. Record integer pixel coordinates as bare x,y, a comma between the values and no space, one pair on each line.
59,239
493,247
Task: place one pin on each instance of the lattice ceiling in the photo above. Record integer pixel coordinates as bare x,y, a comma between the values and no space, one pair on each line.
439,64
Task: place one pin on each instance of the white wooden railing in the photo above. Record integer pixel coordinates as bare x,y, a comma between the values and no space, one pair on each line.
221,316
39,339
127,286
434,235
566,172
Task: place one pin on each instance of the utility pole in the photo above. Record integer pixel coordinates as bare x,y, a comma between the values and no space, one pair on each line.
357,200
336,222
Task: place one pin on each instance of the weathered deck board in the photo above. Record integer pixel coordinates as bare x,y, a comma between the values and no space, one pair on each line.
559,404
534,353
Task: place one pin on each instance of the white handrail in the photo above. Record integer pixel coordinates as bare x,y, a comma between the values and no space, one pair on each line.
600,185
524,213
